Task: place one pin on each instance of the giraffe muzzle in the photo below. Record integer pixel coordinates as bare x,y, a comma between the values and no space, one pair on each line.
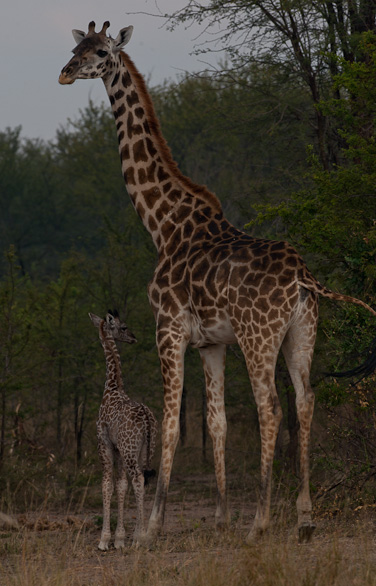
64,79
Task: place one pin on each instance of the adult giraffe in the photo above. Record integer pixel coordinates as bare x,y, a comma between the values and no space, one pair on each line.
213,286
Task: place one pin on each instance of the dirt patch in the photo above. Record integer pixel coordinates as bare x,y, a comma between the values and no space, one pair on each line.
56,548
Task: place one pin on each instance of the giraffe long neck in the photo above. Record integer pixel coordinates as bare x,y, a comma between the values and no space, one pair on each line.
157,188
113,363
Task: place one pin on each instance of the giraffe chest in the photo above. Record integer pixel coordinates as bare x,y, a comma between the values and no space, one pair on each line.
195,294
205,330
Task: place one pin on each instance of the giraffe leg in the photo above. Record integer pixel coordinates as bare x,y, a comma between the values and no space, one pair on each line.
270,415
298,351
172,365
138,483
213,359
107,459
121,489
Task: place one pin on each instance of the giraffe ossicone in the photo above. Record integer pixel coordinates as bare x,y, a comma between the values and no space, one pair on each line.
126,433
213,285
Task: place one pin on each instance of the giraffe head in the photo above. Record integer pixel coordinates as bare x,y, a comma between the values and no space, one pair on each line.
113,326
95,53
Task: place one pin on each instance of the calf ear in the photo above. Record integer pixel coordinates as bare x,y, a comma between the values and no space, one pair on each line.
78,35
110,319
95,319
123,37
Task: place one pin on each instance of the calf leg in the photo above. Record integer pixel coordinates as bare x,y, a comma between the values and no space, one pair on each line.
121,489
107,458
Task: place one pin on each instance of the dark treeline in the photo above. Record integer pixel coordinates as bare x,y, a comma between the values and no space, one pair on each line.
71,243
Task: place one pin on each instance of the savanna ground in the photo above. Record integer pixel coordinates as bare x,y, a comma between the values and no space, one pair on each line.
61,548
59,528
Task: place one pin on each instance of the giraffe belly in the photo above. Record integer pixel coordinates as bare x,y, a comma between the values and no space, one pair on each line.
205,332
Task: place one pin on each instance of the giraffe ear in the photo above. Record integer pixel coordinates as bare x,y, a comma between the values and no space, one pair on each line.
110,318
95,319
123,37
78,35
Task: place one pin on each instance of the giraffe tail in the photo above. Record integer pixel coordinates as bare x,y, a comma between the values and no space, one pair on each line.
368,367
309,282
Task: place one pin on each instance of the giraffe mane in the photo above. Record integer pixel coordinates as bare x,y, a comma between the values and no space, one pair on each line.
164,149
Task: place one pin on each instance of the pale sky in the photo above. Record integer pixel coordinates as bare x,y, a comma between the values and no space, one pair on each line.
36,42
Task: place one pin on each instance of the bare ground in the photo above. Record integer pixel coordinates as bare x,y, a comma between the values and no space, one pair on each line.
61,548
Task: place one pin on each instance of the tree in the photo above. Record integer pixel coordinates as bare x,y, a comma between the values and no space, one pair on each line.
15,322
301,38
29,218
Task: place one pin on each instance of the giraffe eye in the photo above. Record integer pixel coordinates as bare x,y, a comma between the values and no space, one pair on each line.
101,53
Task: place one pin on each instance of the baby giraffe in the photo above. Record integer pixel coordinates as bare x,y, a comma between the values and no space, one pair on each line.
125,430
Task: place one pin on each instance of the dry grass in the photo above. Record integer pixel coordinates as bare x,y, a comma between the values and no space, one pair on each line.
57,549
56,542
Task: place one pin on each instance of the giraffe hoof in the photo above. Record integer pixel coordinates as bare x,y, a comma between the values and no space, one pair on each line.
254,536
146,540
103,546
306,531
119,543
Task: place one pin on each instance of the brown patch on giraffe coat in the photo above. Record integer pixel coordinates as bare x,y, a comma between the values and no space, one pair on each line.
174,241
268,283
139,152
211,282
174,195
232,295
152,224
150,170
162,210
182,213
125,79
147,127
140,210
277,297
260,264
142,176
161,174
133,129
273,314
125,154
177,273
187,229
150,147
253,280
167,229
151,196
120,111
214,228
166,188
277,245
200,271
275,256
262,304
118,95
139,112
129,176
132,99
